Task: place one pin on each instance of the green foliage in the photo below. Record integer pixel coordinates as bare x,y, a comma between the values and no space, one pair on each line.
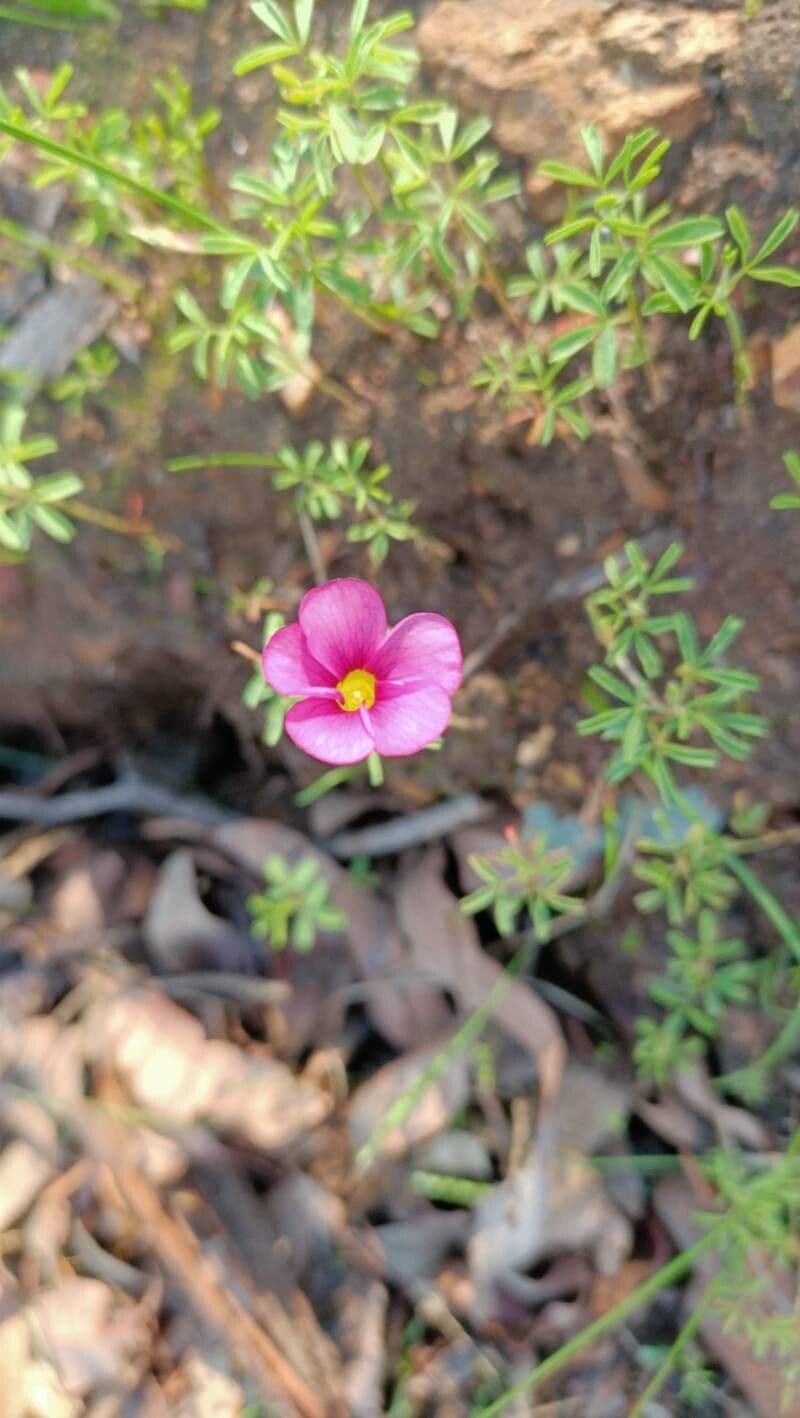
786,500
257,692
683,875
58,14
294,907
329,483
163,146
613,263
90,372
524,877
28,502
678,693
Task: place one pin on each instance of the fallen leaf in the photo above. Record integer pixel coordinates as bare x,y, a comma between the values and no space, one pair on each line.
180,932
362,1326
555,1201
169,1067
446,1095
786,370
14,1359
412,1250
93,1339
406,1011
446,944
211,1393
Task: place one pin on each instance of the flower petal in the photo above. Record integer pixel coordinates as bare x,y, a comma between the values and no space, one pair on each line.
423,647
328,733
343,623
404,721
288,667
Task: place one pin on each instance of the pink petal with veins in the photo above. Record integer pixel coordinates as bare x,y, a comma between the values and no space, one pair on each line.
422,648
344,623
288,666
325,731
404,721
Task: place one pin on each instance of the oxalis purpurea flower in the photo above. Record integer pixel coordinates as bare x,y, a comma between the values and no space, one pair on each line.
361,687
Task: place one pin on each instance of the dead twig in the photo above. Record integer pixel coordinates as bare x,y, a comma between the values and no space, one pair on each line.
412,830
129,794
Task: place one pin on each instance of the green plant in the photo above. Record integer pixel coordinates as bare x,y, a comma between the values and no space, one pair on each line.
328,483
294,907
524,877
90,372
58,14
613,263
786,500
29,502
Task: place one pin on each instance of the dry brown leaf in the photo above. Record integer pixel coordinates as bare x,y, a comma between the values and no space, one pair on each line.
446,943
786,370
694,1087
14,1355
362,1324
77,905
93,1339
24,1170
555,1201
412,1250
211,1393
180,932
169,1067
406,1011
438,1105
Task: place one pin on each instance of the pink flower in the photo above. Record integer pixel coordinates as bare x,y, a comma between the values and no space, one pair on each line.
363,688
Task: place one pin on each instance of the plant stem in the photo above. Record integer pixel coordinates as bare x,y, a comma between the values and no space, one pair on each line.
122,179
673,1355
78,261
311,544
669,1274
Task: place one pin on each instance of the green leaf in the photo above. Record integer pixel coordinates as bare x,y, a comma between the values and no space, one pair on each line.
676,280
777,236
57,487
53,522
604,358
572,176
619,275
358,16
739,230
271,15
303,15
348,139
692,231
264,54
785,501
565,346
593,143
582,298
612,684
776,275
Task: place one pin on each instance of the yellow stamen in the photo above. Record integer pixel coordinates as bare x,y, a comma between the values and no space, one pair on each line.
357,690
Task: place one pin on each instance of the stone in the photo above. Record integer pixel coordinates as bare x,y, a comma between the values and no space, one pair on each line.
542,70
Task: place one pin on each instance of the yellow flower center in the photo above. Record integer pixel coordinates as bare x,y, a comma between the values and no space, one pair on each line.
357,690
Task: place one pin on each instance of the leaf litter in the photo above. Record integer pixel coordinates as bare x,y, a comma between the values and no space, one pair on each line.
236,1181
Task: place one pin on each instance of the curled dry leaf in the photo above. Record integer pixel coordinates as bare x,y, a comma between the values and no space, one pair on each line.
446,1095
210,1392
555,1200
406,1011
179,930
93,1339
169,1067
445,942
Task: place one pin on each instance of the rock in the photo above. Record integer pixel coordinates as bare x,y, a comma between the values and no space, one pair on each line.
542,70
